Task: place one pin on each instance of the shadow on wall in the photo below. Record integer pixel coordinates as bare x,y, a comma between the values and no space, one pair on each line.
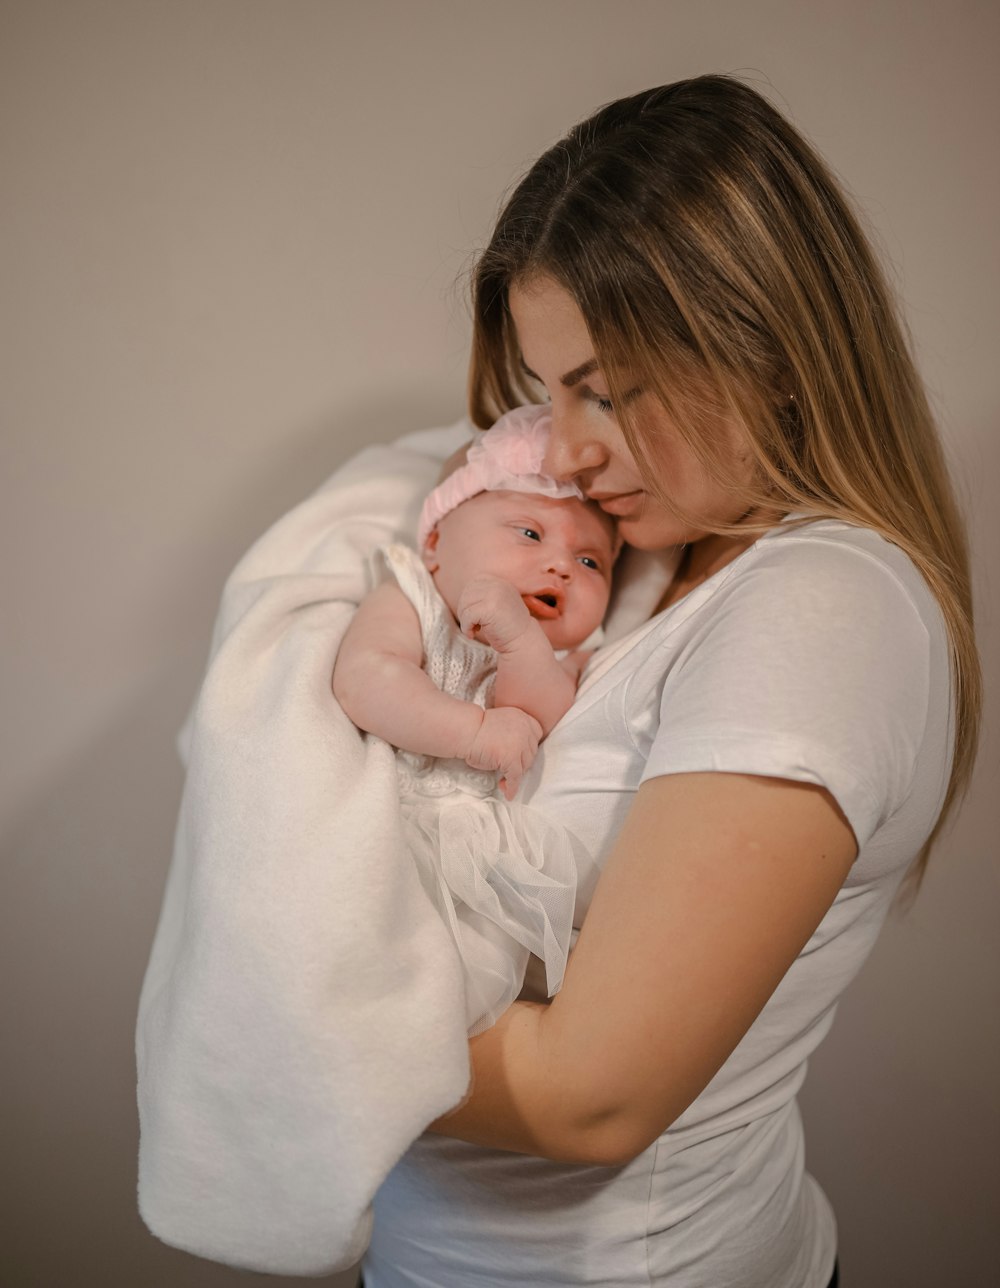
86,861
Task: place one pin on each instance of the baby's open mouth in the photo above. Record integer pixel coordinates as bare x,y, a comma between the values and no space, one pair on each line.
544,605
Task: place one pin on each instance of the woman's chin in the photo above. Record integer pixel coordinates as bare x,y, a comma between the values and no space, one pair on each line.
652,537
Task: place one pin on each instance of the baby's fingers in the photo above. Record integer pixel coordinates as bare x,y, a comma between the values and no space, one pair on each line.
509,785
491,610
470,619
513,772
471,610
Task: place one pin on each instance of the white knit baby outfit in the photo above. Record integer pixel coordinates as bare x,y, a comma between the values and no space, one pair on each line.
502,876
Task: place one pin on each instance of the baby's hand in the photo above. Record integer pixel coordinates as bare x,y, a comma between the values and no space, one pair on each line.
490,610
507,740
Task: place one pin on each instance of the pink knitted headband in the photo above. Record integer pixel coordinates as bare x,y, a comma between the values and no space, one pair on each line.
507,457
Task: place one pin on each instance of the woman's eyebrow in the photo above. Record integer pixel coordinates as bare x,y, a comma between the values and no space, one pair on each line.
571,378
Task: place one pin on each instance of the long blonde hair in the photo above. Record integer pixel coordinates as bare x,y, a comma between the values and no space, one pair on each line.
716,261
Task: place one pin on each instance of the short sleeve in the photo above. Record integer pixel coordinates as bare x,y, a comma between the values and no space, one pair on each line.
812,663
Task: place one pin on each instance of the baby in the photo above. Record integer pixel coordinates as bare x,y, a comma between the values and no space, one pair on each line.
463,658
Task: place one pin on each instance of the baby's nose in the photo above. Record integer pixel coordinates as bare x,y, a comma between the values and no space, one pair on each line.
560,562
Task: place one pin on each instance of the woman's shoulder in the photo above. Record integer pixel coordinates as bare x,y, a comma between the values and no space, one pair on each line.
799,532
845,565
819,588
819,656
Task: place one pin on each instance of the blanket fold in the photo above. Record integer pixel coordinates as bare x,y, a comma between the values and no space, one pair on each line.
302,1016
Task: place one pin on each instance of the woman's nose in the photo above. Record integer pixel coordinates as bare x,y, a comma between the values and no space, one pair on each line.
571,449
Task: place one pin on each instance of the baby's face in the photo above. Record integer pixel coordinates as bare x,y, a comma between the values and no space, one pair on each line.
557,553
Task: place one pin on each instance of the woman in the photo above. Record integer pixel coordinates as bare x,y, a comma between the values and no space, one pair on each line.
760,765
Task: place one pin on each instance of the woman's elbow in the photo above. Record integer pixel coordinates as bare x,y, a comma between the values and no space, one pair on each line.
614,1141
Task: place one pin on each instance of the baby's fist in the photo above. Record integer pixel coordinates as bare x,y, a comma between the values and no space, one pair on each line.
507,741
490,610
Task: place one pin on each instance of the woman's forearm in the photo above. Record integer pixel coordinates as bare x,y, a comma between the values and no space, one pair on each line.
518,1100
713,888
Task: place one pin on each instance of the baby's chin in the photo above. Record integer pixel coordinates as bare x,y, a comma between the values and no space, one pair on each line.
559,639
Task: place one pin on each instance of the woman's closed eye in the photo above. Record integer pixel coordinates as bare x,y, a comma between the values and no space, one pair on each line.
604,404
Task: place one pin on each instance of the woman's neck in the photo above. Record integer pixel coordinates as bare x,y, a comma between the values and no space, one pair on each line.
703,559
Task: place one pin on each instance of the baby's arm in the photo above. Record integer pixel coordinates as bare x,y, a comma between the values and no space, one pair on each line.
529,675
379,681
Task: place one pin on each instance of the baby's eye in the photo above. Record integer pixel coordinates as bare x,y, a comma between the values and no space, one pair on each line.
589,561
530,533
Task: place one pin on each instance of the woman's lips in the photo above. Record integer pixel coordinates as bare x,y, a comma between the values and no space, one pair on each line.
617,503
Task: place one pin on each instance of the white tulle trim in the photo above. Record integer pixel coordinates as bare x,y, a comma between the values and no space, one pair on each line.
504,880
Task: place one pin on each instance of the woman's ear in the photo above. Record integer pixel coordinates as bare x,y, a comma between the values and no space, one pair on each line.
428,554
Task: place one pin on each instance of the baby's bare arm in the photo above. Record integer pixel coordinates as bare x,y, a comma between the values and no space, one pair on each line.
573,663
379,681
528,673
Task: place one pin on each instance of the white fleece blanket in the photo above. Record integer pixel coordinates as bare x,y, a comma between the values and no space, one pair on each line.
302,1016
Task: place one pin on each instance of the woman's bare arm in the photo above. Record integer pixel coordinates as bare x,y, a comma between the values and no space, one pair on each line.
716,883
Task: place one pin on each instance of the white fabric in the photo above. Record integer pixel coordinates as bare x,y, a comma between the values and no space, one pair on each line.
301,1020
818,655
502,876
302,1015
459,666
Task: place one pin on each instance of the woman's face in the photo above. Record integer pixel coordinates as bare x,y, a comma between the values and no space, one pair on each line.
587,445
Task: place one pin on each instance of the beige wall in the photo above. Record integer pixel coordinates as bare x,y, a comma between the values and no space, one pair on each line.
232,231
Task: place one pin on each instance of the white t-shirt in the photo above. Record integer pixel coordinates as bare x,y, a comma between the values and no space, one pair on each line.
817,655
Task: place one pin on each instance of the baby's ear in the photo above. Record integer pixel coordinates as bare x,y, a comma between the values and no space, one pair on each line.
429,552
